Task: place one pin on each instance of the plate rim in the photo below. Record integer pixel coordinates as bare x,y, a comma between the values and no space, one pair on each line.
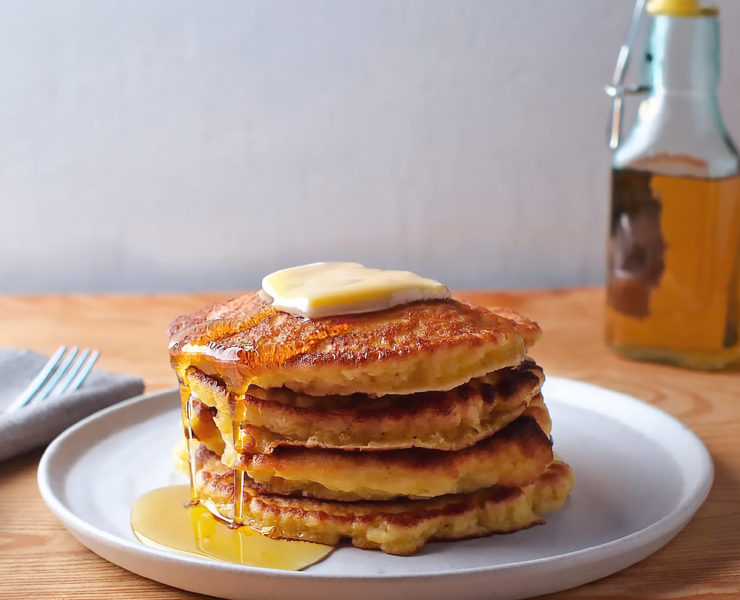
668,525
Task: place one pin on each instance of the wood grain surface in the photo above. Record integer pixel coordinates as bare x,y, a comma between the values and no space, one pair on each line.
39,559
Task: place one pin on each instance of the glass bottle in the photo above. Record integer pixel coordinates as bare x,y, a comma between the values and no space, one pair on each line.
673,273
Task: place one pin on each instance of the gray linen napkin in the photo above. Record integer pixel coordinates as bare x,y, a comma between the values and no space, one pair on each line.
39,422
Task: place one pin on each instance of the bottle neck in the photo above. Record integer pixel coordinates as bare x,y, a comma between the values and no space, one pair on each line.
682,57
680,118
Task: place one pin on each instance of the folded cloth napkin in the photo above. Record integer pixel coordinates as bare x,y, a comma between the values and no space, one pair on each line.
39,422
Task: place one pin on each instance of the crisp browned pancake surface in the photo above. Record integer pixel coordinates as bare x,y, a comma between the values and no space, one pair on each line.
514,456
421,346
396,527
449,420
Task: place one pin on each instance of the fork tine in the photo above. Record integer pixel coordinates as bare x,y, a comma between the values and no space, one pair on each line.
77,381
71,372
61,370
38,381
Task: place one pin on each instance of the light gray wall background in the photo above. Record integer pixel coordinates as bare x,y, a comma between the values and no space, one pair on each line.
177,145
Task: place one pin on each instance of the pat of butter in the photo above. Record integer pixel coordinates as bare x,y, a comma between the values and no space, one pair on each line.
340,288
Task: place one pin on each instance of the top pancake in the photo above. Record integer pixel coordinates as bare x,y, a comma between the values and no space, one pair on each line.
415,347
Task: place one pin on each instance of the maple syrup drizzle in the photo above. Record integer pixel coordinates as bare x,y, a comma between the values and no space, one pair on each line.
164,518
174,518
238,499
238,519
237,416
191,451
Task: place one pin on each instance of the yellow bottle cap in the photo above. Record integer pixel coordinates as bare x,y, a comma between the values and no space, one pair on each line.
680,8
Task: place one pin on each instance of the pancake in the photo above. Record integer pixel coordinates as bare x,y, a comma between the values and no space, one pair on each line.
515,456
449,420
205,429
202,422
390,428
432,345
396,527
538,411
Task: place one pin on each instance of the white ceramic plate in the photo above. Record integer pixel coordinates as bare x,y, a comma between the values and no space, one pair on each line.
640,476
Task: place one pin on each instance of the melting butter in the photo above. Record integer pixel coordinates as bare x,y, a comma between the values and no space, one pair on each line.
164,518
339,288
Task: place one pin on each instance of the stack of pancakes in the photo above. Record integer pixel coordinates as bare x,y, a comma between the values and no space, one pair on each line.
391,428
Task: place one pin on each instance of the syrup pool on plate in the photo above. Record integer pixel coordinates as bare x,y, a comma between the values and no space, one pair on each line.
165,518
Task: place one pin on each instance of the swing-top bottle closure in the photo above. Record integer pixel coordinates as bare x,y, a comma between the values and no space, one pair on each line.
617,89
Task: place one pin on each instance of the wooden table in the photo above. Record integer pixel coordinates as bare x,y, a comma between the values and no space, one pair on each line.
39,559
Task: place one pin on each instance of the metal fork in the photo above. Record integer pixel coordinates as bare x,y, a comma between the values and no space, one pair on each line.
65,371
